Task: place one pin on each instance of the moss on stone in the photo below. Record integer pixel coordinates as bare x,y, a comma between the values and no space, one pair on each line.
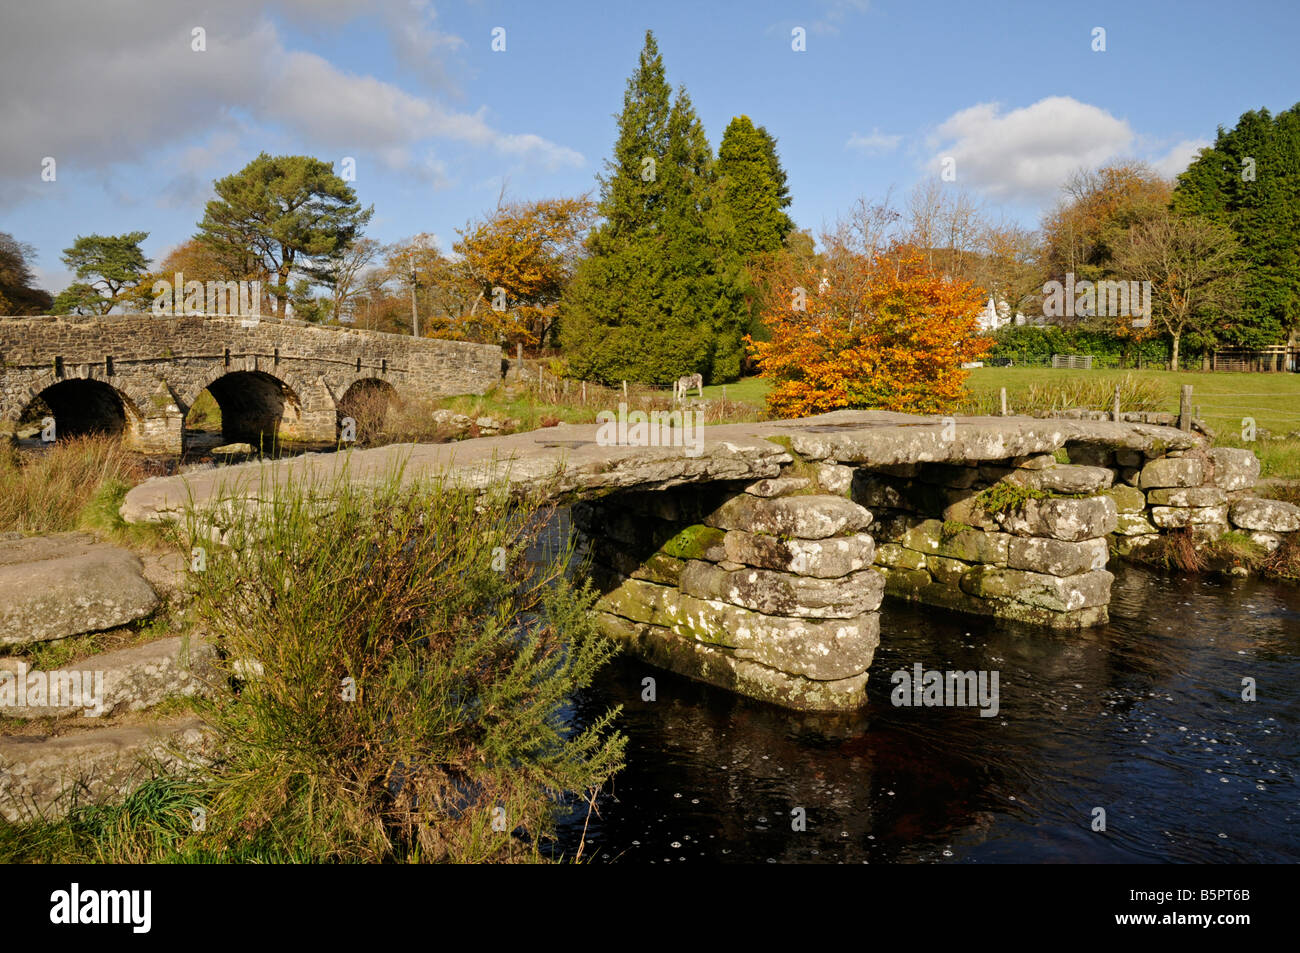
693,542
1007,497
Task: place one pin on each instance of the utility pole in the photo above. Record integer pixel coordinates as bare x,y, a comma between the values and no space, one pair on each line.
415,316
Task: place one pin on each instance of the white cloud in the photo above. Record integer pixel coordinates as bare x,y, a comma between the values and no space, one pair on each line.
1025,154
1179,157
876,143
828,24
125,86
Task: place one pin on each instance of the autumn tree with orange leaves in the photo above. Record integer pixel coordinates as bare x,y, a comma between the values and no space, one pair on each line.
883,333
519,260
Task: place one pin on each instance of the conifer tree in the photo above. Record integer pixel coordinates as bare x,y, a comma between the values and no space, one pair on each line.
661,293
1249,180
754,187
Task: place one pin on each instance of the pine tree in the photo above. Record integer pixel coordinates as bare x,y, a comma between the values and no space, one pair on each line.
662,292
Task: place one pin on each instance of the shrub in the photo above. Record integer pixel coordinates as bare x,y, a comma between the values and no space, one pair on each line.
888,334
400,671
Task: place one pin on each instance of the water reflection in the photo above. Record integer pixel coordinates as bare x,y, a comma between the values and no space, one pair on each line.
1143,717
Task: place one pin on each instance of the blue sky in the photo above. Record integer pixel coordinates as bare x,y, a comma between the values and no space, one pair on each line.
139,123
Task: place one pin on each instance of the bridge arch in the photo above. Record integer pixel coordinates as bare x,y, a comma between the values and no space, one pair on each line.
256,407
82,406
367,401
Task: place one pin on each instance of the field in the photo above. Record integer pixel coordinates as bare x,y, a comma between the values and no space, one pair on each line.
1272,400
1223,400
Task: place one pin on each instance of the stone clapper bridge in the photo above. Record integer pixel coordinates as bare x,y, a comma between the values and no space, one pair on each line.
138,374
759,565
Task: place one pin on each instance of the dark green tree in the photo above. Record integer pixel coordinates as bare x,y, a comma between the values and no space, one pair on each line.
661,293
291,214
753,187
108,269
78,298
1249,180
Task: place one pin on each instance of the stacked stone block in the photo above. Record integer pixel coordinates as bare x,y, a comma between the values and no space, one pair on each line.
766,589
1208,492
1041,561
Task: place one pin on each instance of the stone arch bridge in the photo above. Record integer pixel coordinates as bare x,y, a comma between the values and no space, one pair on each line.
139,374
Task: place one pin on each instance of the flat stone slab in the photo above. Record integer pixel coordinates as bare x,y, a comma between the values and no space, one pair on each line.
1273,516
825,558
131,679
804,517
784,594
52,587
43,776
567,459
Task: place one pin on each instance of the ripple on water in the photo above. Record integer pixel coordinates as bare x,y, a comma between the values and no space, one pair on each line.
1143,718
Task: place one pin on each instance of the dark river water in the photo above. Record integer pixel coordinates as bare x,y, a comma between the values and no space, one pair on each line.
1143,718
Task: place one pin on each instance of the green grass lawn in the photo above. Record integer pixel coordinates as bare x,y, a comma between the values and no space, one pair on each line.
749,389
1273,400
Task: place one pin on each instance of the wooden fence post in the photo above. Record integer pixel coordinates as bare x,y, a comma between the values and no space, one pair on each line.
1185,408
1115,411
1004,402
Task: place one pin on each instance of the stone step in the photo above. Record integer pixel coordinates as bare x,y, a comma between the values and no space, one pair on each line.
56,586
131,679
45,776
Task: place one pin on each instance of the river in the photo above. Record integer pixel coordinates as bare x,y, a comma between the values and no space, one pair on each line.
1143,717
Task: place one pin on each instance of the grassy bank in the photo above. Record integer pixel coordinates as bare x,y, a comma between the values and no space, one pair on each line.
76,484
555,401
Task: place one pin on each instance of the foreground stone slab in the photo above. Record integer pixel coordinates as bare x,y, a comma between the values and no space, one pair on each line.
131,679
52,587
47,776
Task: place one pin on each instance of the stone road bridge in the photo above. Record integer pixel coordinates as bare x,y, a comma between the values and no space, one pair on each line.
139,374
759,564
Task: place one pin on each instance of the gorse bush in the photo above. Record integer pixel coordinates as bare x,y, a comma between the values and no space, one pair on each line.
399,672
